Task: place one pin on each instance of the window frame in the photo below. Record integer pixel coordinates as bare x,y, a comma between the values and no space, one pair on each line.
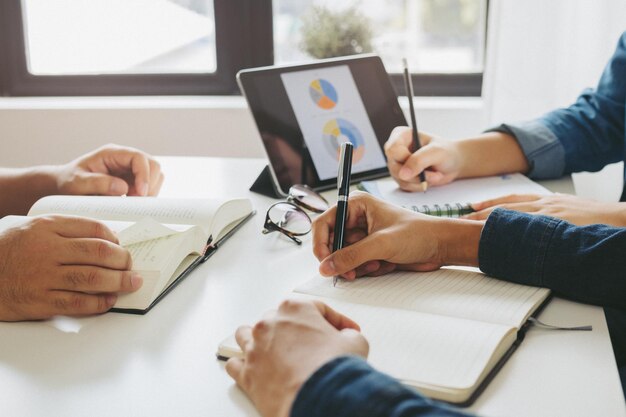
244,39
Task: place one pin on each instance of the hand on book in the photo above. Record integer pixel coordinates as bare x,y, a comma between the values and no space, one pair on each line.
285,348
111,170
576,210
439,158
382,237
61,265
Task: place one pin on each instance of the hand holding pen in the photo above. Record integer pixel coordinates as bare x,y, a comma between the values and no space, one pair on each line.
343,190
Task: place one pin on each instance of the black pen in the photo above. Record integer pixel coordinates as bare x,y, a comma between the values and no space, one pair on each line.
343,190
416,138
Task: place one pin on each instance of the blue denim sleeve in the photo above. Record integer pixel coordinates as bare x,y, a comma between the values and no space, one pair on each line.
583,263
585,136
347,386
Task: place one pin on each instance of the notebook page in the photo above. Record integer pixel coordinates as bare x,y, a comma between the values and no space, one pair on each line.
163,210
463,191
427,350
448,291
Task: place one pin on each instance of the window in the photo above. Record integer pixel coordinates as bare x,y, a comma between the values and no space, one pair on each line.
137,47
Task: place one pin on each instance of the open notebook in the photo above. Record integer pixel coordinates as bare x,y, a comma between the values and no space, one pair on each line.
451,198
445,333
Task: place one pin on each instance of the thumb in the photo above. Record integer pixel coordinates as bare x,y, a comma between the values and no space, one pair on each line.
91,183
351,257
359,344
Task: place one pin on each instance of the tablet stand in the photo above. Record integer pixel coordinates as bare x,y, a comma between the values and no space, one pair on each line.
264,184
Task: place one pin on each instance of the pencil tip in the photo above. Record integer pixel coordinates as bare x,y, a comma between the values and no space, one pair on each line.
424,186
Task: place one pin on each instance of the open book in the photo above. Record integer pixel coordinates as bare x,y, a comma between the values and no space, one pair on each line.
167,238
445,333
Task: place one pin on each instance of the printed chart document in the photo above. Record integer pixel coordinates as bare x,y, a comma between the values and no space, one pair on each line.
471,190
445,333
167,238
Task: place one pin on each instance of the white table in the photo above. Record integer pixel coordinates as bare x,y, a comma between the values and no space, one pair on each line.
163,364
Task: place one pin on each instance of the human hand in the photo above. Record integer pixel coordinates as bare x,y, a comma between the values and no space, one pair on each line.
285,348
61,265
382,237
440,160
111,170
572,209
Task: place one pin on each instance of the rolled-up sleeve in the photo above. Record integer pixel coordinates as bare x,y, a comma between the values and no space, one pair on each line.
583,263
543,150
585,136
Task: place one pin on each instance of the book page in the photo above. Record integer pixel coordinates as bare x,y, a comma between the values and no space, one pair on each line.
156,260
448,291
472,190
424,349
197,212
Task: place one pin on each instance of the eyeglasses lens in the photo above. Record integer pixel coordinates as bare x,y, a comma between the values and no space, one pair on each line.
310,199
289,218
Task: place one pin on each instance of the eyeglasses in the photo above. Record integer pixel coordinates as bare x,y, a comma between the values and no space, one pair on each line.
289,218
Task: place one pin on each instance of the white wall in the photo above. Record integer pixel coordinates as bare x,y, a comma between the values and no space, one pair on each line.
54,130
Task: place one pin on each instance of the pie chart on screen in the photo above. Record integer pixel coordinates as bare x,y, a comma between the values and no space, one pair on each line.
323,93
338,131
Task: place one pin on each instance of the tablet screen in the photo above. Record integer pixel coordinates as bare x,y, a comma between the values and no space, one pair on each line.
330,111
305,112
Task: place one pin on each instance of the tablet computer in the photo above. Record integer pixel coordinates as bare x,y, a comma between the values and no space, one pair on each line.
304,113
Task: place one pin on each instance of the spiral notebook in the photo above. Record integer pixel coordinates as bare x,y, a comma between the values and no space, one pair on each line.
453,200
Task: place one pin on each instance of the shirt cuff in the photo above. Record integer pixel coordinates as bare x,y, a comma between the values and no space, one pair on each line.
348,386
514,246
543,150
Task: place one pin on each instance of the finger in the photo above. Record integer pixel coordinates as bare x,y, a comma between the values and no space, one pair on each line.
234,368
80,227
383,269
95,252
321,229
79,304
140,166
479,215
336,319
156,178
367,268
243,336
351,257
398,146
425,157
90,279
511,198
95,183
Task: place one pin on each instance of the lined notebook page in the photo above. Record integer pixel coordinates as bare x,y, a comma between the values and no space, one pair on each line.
428,350
450,292
463,191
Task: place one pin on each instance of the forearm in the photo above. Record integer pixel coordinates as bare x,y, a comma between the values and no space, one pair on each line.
584,263
348,386
491,153
20,188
